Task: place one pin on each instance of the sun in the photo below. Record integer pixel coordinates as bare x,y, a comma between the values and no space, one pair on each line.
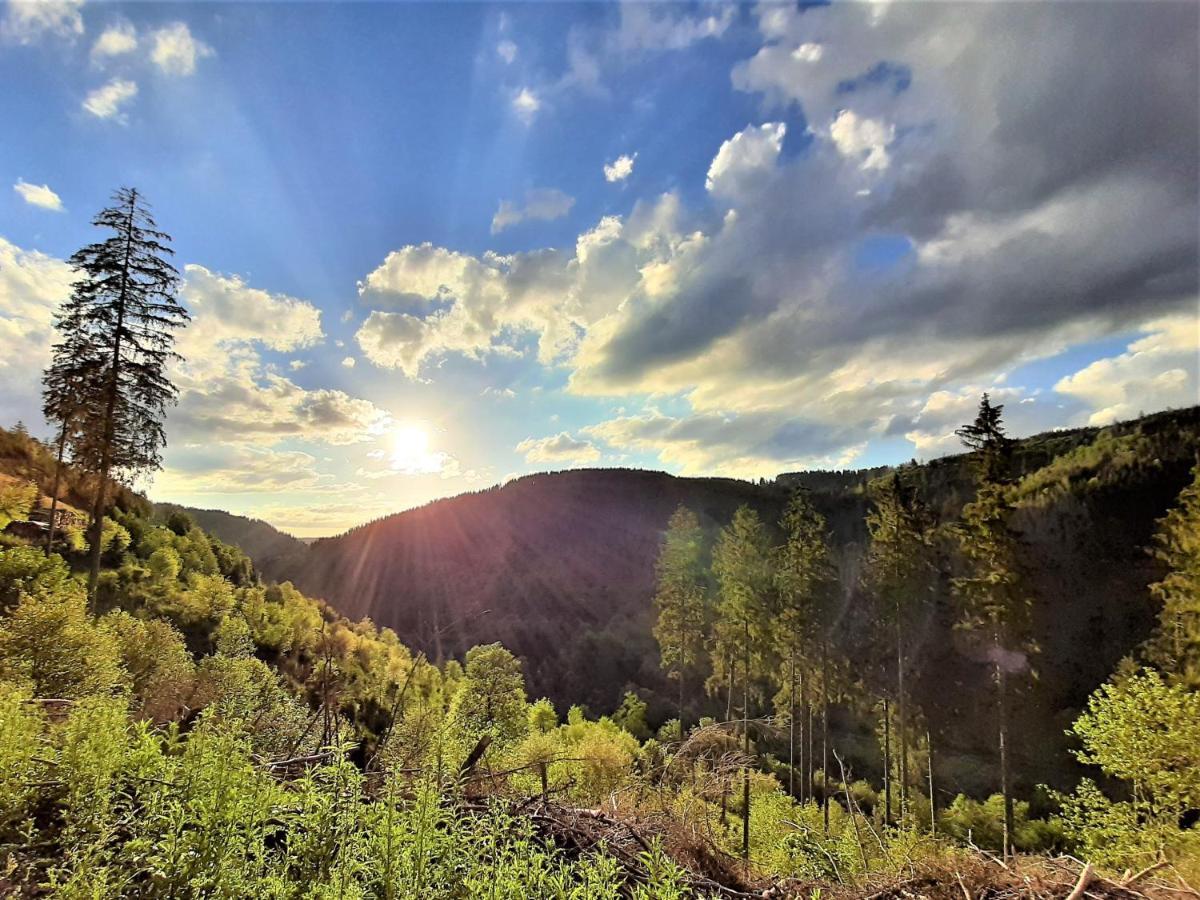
410,451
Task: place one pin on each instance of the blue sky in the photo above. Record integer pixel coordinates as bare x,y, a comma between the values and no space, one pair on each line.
431,246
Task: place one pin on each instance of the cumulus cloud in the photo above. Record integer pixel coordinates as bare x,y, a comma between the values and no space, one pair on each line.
175,51
540,205
620,168
227,392
526,104
744,158
746,446
862,139
1158,370
348,362
107,102
238,468
39,195
560,448
32,285
28,21
115,40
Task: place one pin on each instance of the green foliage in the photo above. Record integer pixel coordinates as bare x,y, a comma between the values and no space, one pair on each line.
491,699
1175,647
982,823
1144,732
50,641
26,570
631,715
16,500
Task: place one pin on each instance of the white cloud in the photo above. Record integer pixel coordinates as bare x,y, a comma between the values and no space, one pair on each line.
744,158
27,21
620,168
809,53
116,40
507,51
498,393
1157,371
541,205
646,26
38,195
348,362
560,448
526,105
863,140
106,102
176,51
32,285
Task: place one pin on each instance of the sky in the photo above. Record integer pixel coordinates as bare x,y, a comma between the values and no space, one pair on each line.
431,247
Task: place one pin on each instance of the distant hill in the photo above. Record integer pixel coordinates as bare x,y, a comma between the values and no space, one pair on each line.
560,568
273,552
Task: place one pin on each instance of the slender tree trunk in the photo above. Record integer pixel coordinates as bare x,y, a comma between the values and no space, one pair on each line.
887,763
792,724
825,731
746,751
682,657
901,720
929,759
1005,786
110,412
812,766
58,461
729,693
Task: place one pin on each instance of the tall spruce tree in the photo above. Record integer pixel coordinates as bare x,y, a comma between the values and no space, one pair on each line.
743,635
1175,645
681,601
119,322
897,574
994,601
803,582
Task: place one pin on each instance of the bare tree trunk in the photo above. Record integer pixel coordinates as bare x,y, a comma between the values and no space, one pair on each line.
825,731
729,693
62,443
746,751
792,725
929,759
1005,786
901,720
887,764
808,778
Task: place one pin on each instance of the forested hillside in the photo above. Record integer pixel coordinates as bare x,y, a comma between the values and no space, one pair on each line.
274,552
561,568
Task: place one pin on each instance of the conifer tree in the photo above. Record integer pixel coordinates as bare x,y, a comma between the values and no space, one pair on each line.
119,326
803,582
681,601
897,570
1175,646
994,601
743,634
